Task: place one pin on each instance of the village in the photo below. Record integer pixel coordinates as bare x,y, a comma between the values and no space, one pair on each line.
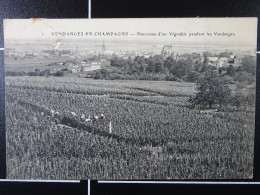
83,62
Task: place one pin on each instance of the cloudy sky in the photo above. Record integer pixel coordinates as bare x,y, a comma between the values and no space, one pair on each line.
224,31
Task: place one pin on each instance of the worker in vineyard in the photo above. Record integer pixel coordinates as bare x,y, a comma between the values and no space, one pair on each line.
57,118
52,112
94,118
57,121
102,116
82,117
73,114
88,120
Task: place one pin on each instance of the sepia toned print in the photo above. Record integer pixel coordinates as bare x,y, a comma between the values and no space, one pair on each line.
130,98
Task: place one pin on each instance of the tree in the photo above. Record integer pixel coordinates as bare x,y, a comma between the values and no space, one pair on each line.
144,67
117,62
249,64
244,78
182,68
46,72
59,74
105,73
225,54
170,77
195,55
154,63
205,64
158,67
98,75
139,64
237,99
211,91
207,53
169,63
231,70
150,63
198,65
193,76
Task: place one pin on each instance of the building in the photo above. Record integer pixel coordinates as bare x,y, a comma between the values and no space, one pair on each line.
91,66
223,62
73,68
237,61
85,64
167,50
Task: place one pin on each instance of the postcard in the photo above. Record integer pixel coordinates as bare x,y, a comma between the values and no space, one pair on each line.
130,99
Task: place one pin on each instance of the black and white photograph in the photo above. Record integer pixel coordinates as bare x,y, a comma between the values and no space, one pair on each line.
130,99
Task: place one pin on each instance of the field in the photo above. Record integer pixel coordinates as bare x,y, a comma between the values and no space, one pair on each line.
155,135
30,64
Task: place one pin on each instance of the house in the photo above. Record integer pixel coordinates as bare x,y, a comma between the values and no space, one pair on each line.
223,62
28,56
65,55
95,63
167,50
214,61
85,64
237,61
90,66
73,67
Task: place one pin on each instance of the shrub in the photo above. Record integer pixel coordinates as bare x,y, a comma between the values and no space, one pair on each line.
170,78
59,74
237,99
244,77
212,91
193,76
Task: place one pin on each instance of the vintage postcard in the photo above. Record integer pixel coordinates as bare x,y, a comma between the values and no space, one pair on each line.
131,99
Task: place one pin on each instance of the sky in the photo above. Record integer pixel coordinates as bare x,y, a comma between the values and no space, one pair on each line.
241,31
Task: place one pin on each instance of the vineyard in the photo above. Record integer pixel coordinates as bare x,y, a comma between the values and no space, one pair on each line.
154,134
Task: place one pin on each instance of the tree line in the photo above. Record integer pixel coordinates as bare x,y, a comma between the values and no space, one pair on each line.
36,72
188,68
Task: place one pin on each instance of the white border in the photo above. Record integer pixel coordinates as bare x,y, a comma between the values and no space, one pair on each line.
44,181
88,187
181,182
129,182
89,9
